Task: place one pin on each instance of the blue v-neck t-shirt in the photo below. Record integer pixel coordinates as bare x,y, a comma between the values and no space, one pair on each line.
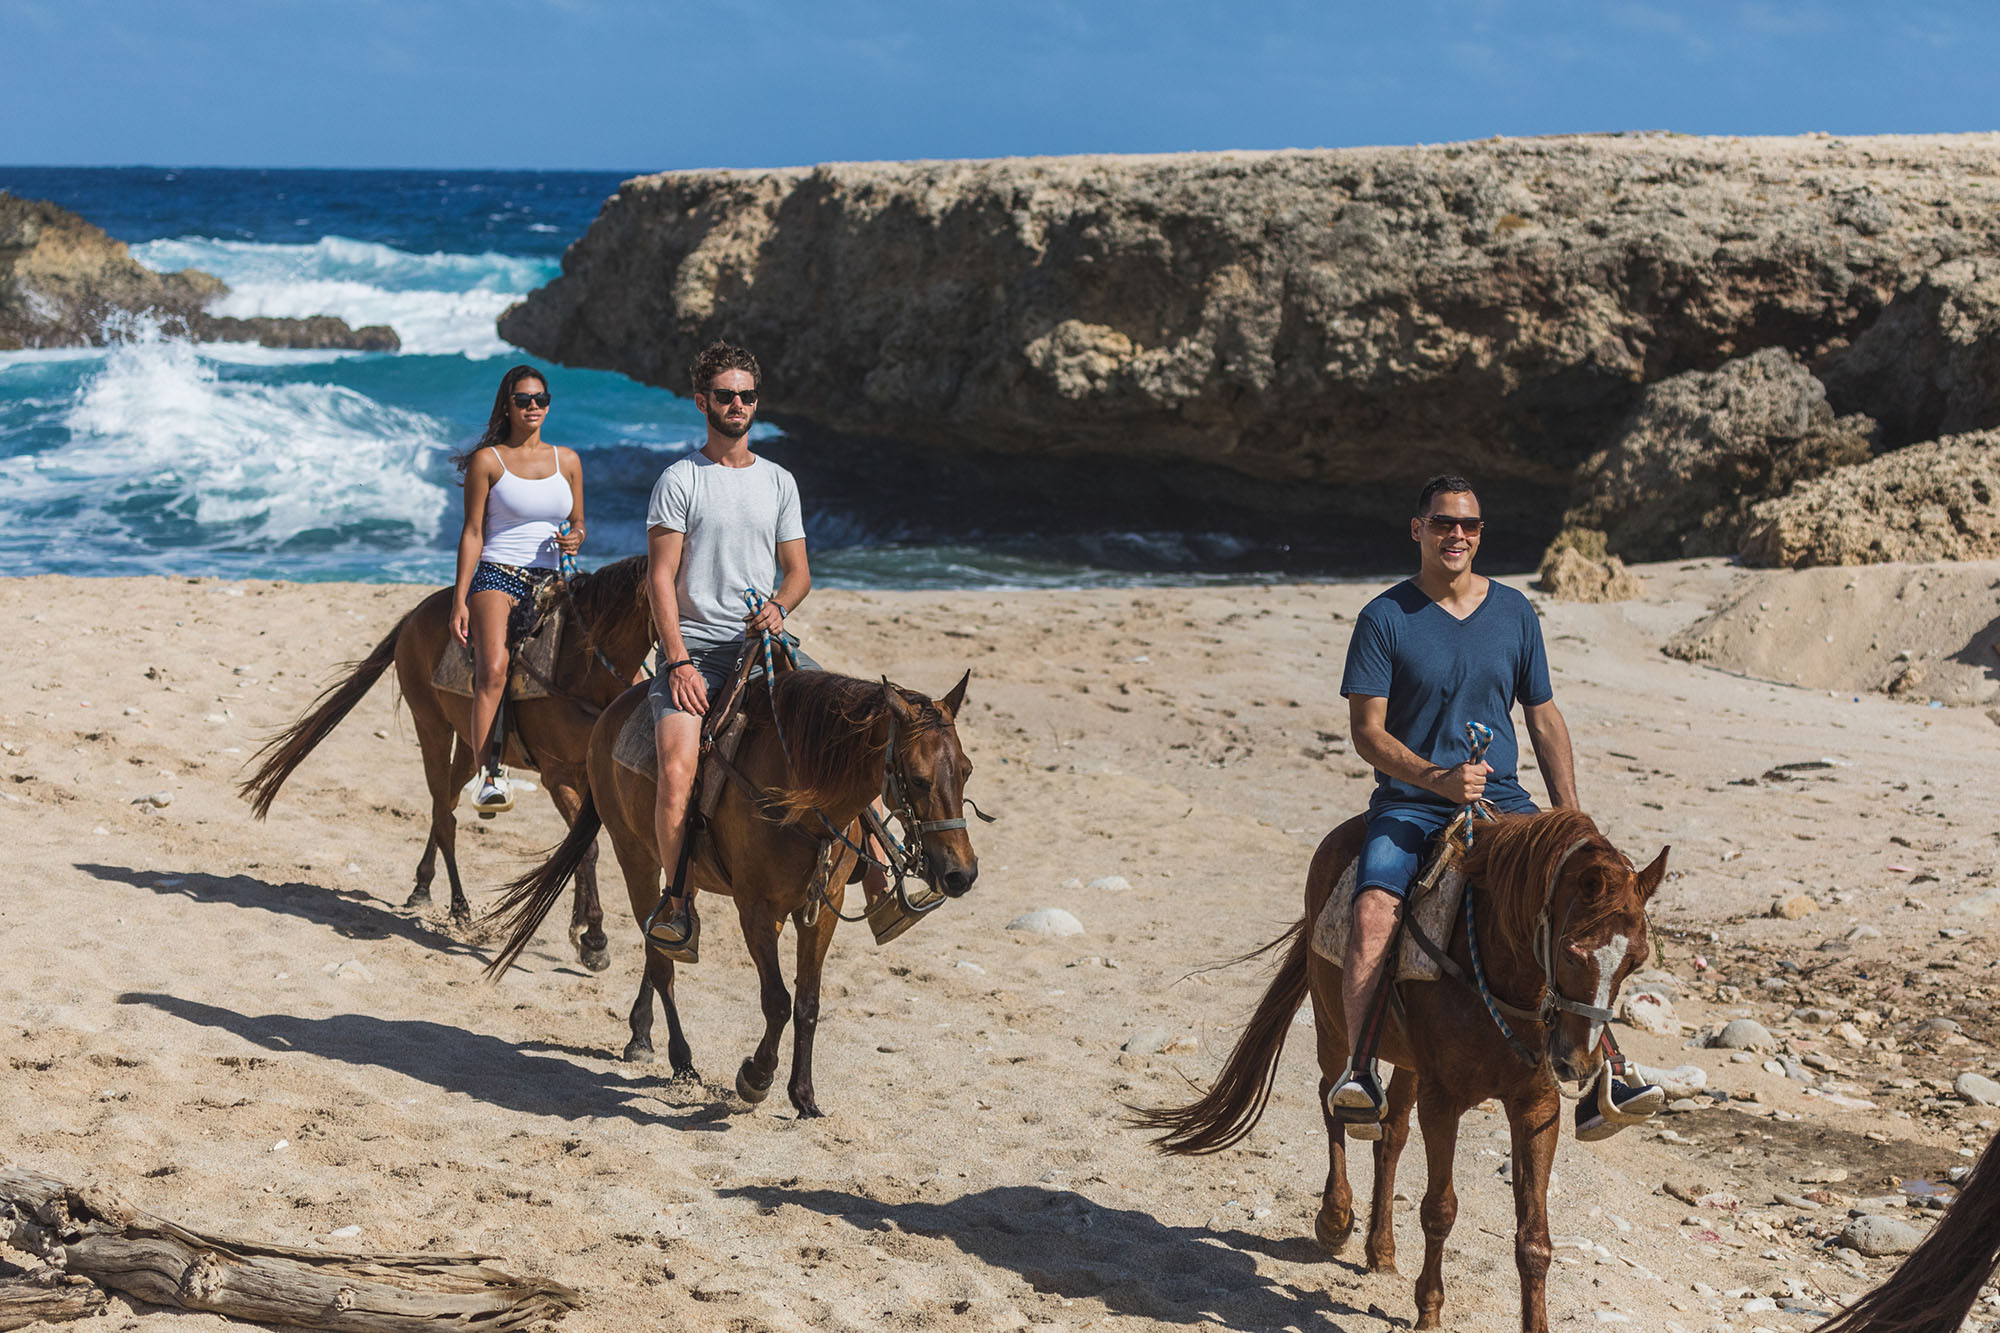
1439,672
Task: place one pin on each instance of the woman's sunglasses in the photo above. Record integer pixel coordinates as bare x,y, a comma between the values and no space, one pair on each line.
724,397
524,401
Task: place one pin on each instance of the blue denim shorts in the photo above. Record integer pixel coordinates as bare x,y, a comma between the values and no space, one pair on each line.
1397,841
717,665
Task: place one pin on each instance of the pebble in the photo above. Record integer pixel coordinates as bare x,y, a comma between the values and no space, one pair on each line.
1111,884
1798,1201
351,970
1047,922
1984,904
1936,1026
1874,1236
159,800
1817,1017
1654,979
1850,1034
1864,931
342,1233
1794,907
1978,1089
1650,1011
1743,1034
1146,1041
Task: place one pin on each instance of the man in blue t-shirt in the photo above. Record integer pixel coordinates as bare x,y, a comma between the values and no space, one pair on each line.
1428,656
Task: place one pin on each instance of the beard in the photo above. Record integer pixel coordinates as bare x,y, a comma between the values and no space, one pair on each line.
726,428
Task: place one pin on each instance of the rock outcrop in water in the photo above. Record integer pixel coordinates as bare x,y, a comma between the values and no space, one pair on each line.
1351,317
65,283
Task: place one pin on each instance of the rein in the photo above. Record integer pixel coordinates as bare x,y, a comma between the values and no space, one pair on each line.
1553,1000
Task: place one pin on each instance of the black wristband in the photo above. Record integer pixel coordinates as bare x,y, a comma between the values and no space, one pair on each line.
672,667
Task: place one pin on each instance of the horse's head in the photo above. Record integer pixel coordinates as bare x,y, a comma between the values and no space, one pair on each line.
1596,938
926,774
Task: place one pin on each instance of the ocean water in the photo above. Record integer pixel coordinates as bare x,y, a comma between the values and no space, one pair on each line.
160,456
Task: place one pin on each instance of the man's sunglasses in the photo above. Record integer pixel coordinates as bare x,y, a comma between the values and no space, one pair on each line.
724,397
1442,524
524,401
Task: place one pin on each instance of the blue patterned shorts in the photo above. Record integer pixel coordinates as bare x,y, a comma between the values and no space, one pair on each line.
519,584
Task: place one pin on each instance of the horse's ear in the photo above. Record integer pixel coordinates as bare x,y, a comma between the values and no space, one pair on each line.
900,707
952,702
1650,877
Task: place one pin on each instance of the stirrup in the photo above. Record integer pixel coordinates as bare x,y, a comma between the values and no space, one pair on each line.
888,918
1599,1114
1356,1102
678,949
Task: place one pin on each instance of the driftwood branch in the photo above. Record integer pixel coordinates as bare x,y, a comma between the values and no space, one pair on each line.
94,1234
47,1295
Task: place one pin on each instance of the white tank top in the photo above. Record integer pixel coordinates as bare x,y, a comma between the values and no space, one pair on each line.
522,516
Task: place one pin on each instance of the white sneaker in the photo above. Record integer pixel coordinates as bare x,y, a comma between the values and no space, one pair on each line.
494,795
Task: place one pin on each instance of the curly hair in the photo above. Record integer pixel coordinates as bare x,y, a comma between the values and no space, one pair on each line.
498,426
719,356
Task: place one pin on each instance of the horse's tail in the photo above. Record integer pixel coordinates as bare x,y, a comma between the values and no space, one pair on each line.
289,748
1934,1289
1231,1108
524,902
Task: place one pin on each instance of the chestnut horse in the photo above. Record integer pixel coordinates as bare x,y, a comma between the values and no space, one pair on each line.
1934,1290
603,645
1560,916
837,743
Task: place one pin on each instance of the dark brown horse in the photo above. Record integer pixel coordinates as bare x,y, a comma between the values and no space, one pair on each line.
1547,885
603,645
1934,1289
848,740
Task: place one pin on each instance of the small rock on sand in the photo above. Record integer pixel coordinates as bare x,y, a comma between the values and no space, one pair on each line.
1978,1089
1875,1235
351,970
1793,907
1684,1081
1047,922
160,800
1111,884
1649,1011
1743,1034
1985,904
1146,1041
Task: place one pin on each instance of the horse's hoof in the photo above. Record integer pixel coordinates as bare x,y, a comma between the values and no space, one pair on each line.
1331,1238
686,1076
594,954
807,1108
419,897
746,1085
639,1052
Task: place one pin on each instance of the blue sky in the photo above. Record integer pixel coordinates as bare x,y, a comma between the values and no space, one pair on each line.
617,84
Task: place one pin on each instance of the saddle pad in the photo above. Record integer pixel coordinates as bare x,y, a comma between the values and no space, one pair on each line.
1436,912
635,749
453,674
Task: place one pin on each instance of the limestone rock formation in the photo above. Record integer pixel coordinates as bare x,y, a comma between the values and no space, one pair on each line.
65,283
1702,447
1360,316
1576,568
1934,501
1929,365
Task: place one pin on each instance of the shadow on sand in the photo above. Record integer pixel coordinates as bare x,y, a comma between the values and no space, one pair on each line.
350,914
452,1059
1130,1262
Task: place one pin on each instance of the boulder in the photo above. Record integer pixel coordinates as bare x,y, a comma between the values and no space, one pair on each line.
1575,568
1702,447
1353,318
1649,1011
65,283
1934,501
1875,1235
1743,1034
1929,365
1977,1089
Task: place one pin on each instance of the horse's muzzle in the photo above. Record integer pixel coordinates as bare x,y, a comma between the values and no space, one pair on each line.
957,880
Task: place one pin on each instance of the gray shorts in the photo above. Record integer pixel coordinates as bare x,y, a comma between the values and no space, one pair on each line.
717,665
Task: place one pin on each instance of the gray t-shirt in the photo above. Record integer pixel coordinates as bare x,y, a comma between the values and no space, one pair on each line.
733,519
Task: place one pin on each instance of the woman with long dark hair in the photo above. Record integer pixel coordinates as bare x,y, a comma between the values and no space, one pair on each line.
520,491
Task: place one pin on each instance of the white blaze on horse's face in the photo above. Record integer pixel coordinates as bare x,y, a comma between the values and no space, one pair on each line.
1607,957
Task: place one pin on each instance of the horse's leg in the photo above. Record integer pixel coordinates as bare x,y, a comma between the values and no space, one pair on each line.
1439,1121
642,890
1335,1222
445,829
1381,1249
1534,1117
586,918
813,944
439,744
760,934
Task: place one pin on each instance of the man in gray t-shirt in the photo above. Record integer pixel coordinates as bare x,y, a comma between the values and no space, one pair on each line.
721,520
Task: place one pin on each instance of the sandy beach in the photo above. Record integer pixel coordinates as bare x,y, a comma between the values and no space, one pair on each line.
236,1026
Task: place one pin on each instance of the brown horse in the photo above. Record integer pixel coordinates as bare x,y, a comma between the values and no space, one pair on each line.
849,741
603,644
1934,1290
1548,887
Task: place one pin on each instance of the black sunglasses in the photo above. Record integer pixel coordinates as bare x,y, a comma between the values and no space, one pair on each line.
1442,524
524,401
724,397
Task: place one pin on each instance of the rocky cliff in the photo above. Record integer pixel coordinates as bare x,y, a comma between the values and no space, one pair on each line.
1348,317
65,283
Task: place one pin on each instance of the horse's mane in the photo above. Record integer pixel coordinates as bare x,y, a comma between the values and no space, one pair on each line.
604,597
1513,856
835,728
